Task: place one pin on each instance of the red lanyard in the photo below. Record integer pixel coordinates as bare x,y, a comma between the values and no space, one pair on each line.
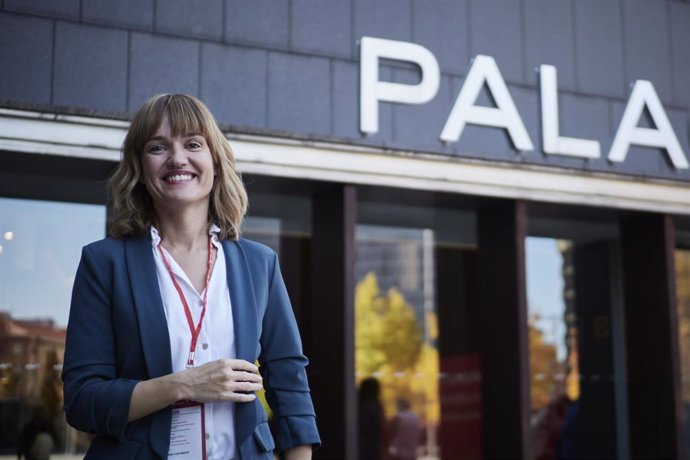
195,331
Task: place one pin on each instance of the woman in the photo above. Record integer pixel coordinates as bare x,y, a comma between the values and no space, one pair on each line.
169,315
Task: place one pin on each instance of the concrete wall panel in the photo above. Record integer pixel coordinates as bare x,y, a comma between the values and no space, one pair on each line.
680,47
64,9
26,55
135,14
322,27
599,47
155,69
193,18
549,39
299,93
233,84
443,30
262,22
496,30
647,47
90,67
383,19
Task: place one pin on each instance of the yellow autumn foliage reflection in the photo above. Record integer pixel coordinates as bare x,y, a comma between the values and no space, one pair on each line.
682,263
390,346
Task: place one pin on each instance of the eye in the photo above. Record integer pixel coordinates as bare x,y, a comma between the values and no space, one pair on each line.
156,148
195,144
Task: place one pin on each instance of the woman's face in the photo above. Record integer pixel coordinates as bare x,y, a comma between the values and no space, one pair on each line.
177,170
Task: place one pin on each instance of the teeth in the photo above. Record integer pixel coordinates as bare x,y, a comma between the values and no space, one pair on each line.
179,178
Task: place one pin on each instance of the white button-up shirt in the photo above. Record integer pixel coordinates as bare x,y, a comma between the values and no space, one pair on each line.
216,338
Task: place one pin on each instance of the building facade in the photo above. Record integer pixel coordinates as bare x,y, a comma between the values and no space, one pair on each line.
481,207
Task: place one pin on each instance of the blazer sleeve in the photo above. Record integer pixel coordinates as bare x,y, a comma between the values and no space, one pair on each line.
96,401
282,366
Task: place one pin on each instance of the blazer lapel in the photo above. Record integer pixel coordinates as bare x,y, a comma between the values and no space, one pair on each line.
153,329
153,326
245,327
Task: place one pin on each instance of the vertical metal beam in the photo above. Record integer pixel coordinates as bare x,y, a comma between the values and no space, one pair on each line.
654,389
504,349
332,321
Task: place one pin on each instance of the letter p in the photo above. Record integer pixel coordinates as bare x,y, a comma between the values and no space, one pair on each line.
372,90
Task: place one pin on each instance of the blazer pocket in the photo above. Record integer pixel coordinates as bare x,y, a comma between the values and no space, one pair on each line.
263,437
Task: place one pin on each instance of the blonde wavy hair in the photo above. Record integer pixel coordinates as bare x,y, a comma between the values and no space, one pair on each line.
133,211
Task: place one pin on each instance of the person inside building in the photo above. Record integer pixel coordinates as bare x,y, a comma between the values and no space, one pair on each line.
406,435
370,419
170,314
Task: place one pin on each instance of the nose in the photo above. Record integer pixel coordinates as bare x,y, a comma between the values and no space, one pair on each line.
177,155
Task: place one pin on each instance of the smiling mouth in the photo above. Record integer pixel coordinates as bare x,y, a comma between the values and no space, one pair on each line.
178,178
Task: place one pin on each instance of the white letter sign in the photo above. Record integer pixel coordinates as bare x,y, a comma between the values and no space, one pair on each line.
662,136
554,143
372,90
504,115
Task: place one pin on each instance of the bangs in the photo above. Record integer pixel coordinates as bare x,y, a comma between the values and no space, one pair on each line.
186,114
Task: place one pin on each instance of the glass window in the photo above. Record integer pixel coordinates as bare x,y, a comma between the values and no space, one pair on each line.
40,248
395,336
417,365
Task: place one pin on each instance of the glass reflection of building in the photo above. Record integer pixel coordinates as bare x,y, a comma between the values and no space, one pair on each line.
395,318
41,246
554,363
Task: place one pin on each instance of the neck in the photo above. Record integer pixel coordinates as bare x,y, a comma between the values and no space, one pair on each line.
183,230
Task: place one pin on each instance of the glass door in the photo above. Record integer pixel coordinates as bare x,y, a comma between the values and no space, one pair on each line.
576,339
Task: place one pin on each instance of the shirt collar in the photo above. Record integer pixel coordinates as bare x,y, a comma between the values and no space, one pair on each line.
213,230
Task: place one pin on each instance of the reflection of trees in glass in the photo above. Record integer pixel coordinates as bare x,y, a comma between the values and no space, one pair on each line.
543,366
550,377
554,358
683,300
389,345
51,387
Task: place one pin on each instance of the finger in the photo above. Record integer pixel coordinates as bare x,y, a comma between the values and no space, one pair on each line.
246,377
242,397
242,365
246,387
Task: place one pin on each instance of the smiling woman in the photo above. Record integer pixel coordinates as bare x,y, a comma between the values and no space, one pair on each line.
169,316
165,123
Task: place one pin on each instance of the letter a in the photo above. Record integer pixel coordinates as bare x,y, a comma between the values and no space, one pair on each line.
629,133
504,115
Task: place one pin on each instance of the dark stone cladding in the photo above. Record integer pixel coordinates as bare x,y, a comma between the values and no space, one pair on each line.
292,68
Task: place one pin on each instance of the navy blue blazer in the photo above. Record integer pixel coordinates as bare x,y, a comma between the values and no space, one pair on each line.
117,336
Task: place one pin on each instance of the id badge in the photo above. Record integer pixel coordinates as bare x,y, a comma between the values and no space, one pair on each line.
187,432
